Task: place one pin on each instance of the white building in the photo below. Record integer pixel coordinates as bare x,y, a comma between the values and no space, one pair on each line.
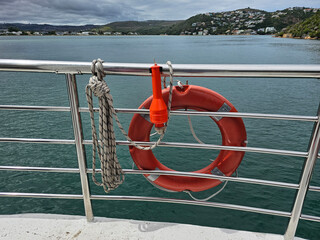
270,29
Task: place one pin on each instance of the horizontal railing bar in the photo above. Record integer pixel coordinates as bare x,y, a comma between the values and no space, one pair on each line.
210,176
183,113
310,218
159,172
314,188
231,114
192,202
149,199
41,195
35,108
204,203
39,169
215,147
165,144
219,114
156,172
180,70
38,140
160,200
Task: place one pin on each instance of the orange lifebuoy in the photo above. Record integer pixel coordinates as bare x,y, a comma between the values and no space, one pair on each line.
197,98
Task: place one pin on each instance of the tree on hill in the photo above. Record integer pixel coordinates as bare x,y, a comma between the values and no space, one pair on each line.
186,25
288,18
307,28
13,29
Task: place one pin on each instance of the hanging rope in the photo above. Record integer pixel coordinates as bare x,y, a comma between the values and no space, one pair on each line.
111,173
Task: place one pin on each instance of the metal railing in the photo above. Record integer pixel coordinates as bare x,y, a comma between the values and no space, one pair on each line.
71,69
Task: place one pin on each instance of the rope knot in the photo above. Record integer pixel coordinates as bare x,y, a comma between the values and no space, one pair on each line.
98,87
97,69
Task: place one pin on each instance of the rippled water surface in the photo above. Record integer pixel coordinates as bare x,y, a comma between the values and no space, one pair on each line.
282,96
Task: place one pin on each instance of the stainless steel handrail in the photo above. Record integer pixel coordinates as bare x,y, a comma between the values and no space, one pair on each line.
304,181
181,70
178,113
38,140
159,172
163,200
166,144
35,108
150,199
77,130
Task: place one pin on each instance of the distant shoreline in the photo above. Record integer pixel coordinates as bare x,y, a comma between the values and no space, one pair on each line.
124,35
272,35
288,35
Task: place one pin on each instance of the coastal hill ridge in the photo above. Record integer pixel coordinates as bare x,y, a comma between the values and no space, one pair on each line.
241,21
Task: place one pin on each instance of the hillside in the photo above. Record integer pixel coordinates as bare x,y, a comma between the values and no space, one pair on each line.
286,17
151,27
241,21
308,29
46,27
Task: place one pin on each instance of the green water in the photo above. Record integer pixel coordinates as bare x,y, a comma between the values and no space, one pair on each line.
283,96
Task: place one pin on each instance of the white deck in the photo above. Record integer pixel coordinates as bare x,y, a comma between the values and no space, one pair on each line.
51,226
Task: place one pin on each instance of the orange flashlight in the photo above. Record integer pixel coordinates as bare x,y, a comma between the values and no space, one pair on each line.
158,108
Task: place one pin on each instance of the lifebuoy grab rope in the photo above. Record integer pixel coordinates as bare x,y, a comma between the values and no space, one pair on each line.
200,99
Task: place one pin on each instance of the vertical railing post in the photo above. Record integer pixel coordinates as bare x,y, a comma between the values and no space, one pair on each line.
78,135
305,180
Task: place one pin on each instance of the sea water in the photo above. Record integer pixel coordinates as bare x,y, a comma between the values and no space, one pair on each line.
257,95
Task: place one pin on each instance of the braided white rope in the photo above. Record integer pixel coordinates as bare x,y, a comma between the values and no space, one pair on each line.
111,173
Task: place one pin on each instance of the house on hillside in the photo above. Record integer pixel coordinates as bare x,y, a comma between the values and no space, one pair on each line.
270,30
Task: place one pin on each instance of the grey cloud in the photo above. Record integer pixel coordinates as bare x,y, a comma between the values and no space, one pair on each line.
104,11
93,8
65,12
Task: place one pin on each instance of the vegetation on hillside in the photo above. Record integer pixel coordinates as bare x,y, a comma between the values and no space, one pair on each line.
309,28
176,29
305,23
152,27
44,27
241,21
284,18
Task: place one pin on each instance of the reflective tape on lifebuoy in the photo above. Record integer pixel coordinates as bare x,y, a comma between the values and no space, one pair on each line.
197,98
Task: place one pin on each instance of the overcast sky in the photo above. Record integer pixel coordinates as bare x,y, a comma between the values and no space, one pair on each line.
78,12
